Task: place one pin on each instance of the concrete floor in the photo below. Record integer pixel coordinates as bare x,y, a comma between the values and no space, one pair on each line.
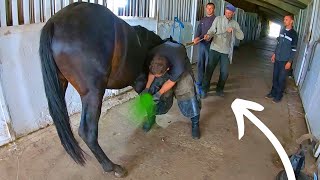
168,151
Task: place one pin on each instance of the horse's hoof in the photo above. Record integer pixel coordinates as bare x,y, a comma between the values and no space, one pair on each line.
119,171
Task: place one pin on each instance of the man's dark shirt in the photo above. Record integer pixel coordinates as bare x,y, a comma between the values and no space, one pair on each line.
176,54
287,45
204,26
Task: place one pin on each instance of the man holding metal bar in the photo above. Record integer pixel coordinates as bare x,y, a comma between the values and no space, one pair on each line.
222,33
204,46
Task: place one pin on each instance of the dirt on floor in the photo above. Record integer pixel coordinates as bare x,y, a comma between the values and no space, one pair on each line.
168,151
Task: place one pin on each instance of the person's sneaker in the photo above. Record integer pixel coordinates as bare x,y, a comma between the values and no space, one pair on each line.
275,100
269,96
220,93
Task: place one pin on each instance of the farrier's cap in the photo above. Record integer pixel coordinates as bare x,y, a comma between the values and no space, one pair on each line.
231,7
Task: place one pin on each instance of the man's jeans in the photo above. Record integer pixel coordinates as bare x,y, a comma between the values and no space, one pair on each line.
203,57
215,58
279,79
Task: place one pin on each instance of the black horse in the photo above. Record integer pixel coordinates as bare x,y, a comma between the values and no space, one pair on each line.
89,47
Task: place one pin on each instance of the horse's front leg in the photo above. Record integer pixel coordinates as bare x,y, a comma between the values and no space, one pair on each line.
140,83
88,130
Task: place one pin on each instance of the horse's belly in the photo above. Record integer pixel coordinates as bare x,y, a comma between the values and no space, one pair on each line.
125,68
121,79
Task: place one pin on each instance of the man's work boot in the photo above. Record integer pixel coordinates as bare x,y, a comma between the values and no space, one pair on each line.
220,93
269,96
195,130
149,123
203,95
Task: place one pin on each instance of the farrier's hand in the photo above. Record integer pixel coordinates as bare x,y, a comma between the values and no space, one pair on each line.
196,40
156,97
207,37
146,90
288,66
229,30
273,58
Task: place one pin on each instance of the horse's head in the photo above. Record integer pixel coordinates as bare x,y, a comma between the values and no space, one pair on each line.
147,38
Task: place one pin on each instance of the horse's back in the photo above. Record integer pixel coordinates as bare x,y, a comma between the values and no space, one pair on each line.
90,40
83,43
89,25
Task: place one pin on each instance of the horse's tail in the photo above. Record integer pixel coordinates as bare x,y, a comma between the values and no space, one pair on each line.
55,95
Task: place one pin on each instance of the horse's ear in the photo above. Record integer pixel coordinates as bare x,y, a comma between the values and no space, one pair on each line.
170,38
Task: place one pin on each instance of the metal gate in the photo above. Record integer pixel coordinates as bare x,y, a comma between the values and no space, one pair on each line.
310,82
304,45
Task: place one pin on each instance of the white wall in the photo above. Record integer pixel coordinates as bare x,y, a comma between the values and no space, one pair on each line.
165,31
150,24
21,78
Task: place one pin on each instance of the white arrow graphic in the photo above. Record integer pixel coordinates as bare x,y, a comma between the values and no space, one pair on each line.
240,108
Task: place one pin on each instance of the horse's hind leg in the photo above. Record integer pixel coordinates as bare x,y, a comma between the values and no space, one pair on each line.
64,83
88,130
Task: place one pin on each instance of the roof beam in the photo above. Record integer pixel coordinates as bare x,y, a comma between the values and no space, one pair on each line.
278,3
270,11
271,15
306,2
268,6
295,3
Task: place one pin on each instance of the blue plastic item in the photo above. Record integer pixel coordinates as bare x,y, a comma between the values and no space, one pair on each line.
181,26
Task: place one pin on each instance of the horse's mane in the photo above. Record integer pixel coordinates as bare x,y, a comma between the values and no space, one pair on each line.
170,39
142,31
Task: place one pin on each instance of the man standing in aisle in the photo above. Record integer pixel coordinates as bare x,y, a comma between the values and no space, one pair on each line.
204,46
223,29
282,58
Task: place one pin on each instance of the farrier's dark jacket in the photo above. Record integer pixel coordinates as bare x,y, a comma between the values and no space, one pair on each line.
287,45
176,54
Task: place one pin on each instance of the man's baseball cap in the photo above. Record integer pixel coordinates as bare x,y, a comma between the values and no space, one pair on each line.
231,7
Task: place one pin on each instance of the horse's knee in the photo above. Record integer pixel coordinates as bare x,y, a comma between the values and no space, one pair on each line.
140,83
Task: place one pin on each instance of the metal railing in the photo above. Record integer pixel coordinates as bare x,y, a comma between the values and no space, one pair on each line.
19,12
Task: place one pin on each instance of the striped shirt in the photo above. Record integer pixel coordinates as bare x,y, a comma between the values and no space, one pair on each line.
287,45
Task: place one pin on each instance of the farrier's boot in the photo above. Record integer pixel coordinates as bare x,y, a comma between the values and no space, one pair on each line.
195,129
149,123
